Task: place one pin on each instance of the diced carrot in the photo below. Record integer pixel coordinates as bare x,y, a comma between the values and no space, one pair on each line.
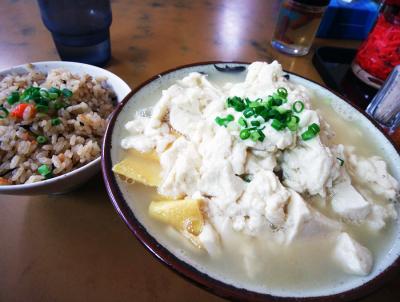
18,111
4,181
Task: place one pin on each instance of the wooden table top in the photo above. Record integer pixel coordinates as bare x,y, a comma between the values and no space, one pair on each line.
74,247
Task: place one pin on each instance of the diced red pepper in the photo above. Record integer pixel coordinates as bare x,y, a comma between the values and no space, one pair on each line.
19,110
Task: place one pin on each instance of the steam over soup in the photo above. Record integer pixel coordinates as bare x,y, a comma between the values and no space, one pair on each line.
249,183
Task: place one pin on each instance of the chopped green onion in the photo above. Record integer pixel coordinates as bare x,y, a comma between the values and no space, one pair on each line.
42,108
13,98
281,110
224,121
265,114
44,170
341,161
248,112
247,101
35,95
255,123
268,108
273,113
55,121
314,127
3,112
262,135
282,92
26,99
259,109
244,134
255,136
67,93
219,121
287,116
55,90
53,95
278,99
42,101
242,122
239,107
44,93
278,125
277,102
254,104
25,96
30,93
229,118
311,132
41,139
298,106
293,123
237,103
270,102
307,135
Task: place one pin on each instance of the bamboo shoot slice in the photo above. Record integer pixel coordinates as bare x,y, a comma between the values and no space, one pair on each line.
141,167
184,215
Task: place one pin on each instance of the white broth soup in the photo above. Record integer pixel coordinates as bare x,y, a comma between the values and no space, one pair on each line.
257,181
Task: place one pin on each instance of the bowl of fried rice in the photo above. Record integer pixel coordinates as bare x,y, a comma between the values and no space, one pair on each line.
52,119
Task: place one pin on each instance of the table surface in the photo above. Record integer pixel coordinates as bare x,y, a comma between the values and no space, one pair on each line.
74,247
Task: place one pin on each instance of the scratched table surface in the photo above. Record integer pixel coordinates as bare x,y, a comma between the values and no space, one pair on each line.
74,247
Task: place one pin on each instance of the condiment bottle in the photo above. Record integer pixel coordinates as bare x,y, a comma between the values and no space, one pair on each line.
298,22
380,52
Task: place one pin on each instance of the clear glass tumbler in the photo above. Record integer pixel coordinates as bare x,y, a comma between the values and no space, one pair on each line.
80,29
298,22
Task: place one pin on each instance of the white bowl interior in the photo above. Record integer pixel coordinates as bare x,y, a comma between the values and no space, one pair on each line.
149,95
67,181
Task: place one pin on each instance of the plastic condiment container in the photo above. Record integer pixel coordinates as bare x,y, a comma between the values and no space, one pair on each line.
385,107
297,24
380,52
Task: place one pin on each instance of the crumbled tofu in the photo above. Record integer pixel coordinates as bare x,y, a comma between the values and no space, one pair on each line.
352,256
348,203
372,173
304,222
180,164
379,216
307,168
210,240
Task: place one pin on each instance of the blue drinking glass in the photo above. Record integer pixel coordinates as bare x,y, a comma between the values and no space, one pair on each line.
80,29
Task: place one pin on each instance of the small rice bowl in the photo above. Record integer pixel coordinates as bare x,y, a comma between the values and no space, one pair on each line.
70,143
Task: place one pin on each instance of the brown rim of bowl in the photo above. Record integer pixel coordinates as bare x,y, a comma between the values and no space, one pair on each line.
189,272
